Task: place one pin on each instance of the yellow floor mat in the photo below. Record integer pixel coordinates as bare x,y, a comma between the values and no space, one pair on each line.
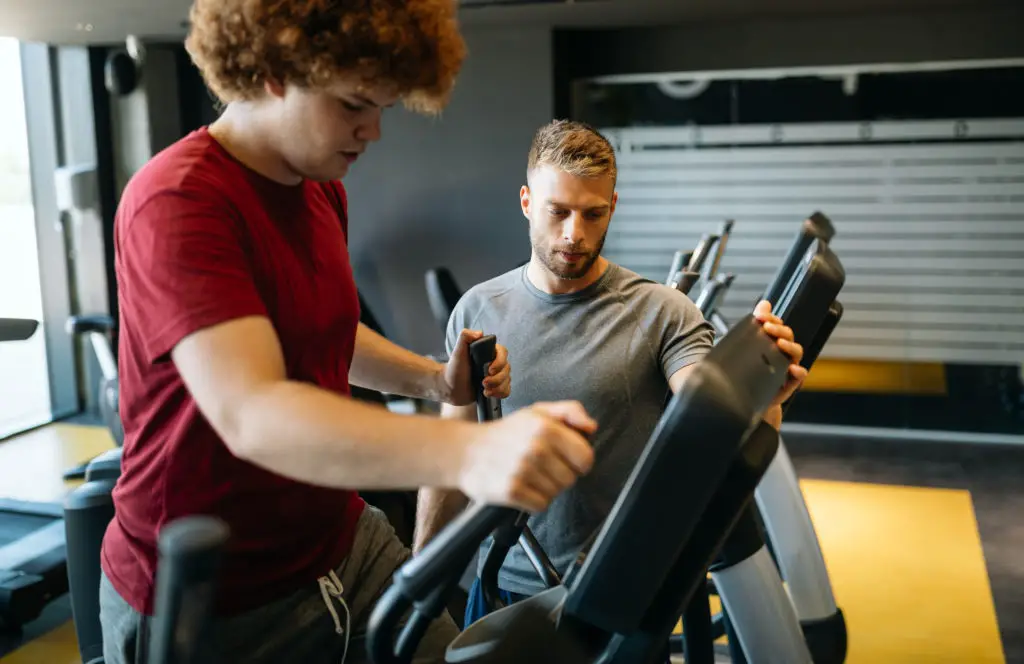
908,571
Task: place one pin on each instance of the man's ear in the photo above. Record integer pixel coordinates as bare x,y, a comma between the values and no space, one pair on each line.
615,199
524,200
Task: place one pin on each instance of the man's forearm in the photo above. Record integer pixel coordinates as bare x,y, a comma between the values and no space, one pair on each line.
437,507
434,510
379,364
308,434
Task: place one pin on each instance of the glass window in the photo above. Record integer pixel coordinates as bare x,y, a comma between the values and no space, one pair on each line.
24,373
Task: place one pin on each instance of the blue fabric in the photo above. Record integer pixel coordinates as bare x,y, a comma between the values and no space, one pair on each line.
476,607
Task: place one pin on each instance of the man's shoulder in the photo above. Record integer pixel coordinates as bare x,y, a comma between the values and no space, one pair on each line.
491,291
193,168
631,284
634,287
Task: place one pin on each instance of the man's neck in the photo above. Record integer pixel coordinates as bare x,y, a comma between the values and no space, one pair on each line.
240,132
552,284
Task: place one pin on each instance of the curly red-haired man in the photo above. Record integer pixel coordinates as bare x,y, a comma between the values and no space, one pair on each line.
240,339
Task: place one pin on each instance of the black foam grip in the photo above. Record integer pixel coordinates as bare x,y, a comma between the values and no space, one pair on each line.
481,353
816,227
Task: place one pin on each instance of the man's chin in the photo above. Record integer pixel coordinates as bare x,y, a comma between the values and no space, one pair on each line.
572,274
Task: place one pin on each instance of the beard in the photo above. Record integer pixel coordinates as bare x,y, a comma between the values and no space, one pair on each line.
556,265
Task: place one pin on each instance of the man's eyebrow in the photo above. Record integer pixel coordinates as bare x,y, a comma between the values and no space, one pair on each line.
602,206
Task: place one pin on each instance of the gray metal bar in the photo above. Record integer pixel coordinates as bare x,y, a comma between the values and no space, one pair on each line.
761,612
794,540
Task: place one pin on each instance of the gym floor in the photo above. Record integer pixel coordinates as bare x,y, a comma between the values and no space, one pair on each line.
921,541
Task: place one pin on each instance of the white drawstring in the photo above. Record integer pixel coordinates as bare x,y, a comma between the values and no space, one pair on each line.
330,586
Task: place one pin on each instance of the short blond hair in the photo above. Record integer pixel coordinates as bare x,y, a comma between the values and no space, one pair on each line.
572,147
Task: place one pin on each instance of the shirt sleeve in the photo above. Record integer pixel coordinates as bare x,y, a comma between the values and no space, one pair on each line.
183,266
456,323
684,337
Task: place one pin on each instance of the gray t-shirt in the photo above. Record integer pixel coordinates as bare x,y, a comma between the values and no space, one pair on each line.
611,346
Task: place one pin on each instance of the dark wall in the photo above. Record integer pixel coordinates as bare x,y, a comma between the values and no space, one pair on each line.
787,42
445,191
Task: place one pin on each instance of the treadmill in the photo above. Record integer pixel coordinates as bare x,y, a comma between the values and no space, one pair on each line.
620,602
33,561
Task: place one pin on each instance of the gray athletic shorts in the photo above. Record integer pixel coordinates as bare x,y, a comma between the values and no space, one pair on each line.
303,627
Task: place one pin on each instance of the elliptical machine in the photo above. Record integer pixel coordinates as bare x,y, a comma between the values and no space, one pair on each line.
622,599
782,521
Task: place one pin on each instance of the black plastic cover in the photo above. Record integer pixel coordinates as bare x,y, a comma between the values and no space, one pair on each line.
806,300
646,644
685,461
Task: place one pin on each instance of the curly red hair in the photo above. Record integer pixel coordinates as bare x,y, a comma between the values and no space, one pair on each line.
412,46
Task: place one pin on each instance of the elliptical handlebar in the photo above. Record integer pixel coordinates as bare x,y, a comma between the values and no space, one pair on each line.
818,260
816,227
712,292
813,349
482,352
424,582
701,253
723,238
191,549
684,281
679,261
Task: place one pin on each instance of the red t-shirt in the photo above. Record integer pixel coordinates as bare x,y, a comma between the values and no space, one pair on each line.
200,239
